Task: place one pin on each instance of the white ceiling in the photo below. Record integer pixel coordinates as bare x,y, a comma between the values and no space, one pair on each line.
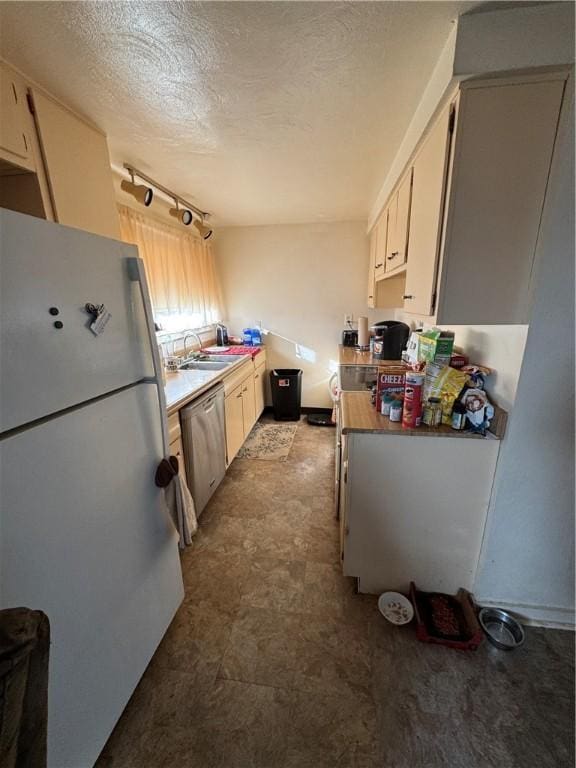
260,112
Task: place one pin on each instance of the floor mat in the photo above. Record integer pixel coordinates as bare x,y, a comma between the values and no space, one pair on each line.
271,442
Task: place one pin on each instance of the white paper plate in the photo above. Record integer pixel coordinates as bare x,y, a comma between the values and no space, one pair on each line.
395,608
216,349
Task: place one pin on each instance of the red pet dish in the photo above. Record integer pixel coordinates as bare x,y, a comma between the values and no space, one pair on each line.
445,619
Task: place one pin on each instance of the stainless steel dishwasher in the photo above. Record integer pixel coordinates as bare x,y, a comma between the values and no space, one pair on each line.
204,438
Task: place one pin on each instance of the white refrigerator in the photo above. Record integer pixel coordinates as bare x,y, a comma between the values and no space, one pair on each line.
84,532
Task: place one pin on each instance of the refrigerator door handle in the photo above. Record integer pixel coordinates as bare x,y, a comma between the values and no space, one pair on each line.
138,274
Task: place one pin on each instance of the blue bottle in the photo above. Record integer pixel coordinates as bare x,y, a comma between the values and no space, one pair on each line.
247,337
256,337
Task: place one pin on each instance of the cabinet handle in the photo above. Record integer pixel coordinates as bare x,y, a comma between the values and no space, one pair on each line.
408,296
240,395
370,296
245,390
257,376
378,265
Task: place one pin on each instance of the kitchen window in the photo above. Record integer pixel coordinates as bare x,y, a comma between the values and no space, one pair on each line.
181,272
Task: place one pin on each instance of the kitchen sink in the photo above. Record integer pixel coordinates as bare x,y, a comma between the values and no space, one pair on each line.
203,365
210,362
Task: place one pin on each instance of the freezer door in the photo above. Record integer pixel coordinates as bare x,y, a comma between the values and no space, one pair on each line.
85,537
47,275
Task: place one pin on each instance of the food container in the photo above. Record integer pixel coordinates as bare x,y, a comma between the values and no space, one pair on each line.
446,619
396,608
501,629
391,380
412,412
432,414
396,410
387,401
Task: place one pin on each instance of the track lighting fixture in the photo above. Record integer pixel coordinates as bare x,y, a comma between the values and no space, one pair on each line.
142,193
183,215
188,215
205,232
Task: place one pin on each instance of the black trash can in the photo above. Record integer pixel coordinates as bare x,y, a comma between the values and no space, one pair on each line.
286,385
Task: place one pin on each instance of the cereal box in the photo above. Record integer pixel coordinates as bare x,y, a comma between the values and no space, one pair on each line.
391,381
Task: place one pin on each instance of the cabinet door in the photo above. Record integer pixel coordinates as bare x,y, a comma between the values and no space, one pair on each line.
15,145
78,169
396,254
259,384
371,265
391,236
505,138
177,449
234,422
428,188
379,266
248,404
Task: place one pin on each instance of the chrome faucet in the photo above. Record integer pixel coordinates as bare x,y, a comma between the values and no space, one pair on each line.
186,337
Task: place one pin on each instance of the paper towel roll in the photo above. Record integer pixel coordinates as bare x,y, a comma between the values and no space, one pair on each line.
363,337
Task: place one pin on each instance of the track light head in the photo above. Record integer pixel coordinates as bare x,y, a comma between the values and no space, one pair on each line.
183,215
142,193
205,232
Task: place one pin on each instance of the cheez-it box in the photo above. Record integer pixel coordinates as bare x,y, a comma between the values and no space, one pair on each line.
391,380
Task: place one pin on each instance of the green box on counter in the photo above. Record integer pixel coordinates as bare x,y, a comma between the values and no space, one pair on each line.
435,350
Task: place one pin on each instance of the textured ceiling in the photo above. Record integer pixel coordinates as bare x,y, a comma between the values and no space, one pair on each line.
260,112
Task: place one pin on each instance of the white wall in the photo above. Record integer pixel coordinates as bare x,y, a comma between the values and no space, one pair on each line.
527,560
299,280
500,347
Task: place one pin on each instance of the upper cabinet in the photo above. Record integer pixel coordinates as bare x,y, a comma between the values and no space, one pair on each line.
428,183
53,164
15,122
398,219
478,183
503,147
78,168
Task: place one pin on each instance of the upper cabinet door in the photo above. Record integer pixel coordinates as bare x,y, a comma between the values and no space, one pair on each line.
382,239
428,186
78,169
397,251
15,143
504,142
371,265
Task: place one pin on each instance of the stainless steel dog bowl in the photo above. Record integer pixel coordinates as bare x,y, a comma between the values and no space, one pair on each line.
501,628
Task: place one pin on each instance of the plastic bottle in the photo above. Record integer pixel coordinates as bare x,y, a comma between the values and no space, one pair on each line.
247,337
256,337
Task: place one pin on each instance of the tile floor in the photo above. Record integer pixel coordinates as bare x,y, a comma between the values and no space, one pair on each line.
273,662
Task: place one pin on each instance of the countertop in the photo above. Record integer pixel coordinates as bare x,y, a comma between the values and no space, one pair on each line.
352,356
357,414
183,386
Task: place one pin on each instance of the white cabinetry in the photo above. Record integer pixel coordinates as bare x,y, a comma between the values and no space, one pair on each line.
397,527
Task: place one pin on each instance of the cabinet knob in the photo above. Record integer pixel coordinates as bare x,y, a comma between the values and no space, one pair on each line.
378,265
408,296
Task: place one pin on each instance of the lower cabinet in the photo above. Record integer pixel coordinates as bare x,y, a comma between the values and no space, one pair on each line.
241,414
176,446
234,422
411,510
260,389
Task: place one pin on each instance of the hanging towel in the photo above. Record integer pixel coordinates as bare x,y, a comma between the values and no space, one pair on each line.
178,499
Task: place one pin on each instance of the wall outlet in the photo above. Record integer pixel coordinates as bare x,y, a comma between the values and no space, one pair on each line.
348,319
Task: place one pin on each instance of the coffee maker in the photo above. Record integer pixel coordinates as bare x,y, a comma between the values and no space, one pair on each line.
390,339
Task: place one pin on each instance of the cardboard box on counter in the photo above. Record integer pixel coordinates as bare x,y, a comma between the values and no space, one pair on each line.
436,350
391,381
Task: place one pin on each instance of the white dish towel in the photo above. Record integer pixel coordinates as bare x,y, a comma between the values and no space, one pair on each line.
181,506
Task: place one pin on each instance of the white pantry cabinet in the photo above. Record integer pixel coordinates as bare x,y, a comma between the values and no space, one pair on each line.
398,230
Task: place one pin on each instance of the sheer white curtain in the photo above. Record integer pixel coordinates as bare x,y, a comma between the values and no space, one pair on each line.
184,285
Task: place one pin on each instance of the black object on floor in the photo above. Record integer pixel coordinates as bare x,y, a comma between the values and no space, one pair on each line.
286,386
320,420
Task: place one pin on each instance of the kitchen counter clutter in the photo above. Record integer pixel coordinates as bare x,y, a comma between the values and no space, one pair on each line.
414,510
358,414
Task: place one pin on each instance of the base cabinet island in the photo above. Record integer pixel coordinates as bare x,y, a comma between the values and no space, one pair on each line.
413,503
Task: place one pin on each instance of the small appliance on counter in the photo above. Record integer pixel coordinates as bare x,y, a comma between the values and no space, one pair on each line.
221,335
349,337
390,338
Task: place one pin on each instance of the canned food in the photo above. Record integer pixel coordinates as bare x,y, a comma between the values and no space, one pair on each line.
432,414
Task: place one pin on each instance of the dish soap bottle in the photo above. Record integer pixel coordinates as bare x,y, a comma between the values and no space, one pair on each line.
247,337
